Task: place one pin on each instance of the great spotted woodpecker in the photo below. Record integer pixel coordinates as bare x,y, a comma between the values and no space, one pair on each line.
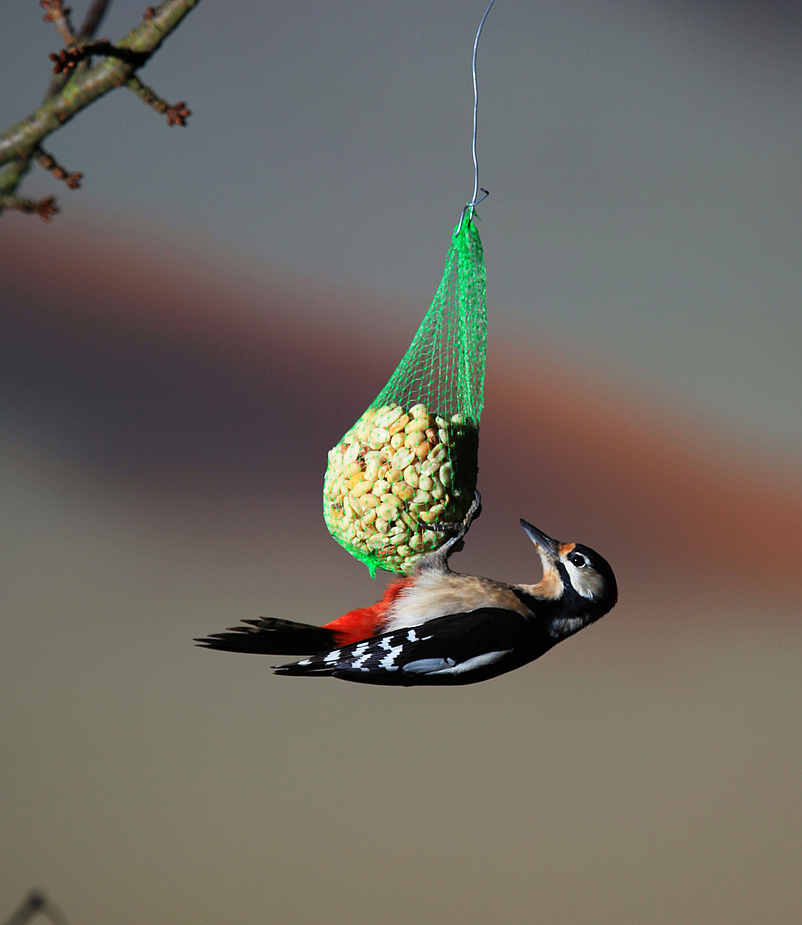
439,627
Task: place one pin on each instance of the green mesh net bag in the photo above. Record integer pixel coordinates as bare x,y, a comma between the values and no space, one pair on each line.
411,460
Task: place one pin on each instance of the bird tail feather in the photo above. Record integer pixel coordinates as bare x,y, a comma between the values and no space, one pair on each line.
270,636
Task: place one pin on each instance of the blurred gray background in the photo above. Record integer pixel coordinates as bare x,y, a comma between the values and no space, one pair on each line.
215,307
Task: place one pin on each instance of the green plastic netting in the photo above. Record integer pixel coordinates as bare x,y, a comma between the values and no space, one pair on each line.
412,458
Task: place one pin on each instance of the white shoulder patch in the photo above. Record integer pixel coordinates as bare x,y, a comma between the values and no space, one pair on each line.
428,665
443,666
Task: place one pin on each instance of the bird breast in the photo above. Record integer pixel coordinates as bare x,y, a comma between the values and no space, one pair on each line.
437,594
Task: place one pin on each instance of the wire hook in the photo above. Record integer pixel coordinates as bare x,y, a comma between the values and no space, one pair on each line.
470,205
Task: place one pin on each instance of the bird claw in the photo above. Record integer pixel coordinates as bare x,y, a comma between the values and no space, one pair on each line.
460,529
464,525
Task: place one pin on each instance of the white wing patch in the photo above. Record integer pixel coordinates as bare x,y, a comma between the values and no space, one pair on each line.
387,652
427,665
388,662
478,661
443,666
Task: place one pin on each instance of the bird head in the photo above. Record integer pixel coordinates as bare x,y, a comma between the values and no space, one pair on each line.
575,575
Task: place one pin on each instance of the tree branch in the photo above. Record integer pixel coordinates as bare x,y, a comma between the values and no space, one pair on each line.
92,20
23,141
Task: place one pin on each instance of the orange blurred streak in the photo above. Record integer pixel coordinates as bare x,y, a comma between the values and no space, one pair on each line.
598,462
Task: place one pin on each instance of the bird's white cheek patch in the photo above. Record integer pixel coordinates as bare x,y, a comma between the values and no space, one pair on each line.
587,582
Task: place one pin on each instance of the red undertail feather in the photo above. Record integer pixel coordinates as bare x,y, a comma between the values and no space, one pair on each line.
365,622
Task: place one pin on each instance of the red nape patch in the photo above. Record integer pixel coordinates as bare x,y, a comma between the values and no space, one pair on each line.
365,622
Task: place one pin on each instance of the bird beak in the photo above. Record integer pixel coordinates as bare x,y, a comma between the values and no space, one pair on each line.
546,546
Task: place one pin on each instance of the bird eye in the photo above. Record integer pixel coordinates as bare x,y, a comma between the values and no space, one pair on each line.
577,559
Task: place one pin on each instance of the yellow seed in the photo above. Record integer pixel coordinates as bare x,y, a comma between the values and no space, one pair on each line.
425,482
423,497
351,453
387,512
399,424
411,476
416,424
360,488
429,465
403,490
413,438
419,411
403,457
390,416
369,501
397,440
422,449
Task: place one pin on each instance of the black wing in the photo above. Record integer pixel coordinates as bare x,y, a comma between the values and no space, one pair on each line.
270,636
456,649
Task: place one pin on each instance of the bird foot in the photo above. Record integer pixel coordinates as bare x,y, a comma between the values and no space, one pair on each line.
455,543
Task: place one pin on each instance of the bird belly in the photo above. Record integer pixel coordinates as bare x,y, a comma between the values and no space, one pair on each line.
438,594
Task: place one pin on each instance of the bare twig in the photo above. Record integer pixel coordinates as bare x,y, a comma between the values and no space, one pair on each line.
44,208
93,18
58,14
177,113
87,83
49,163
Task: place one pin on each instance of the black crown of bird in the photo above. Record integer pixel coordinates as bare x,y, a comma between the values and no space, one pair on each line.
439,627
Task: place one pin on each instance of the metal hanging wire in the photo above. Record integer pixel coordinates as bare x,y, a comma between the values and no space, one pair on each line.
474,201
